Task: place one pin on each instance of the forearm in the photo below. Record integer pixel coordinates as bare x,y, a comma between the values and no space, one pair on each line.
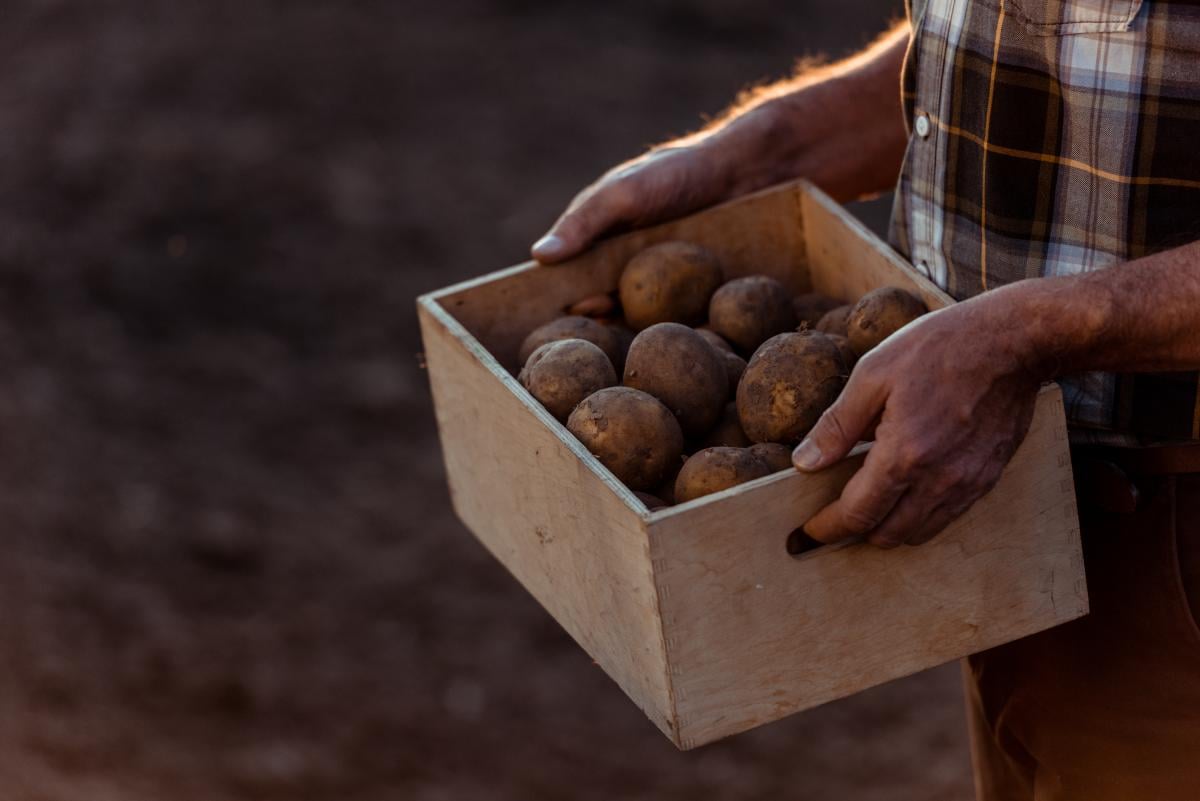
1136,317
840,126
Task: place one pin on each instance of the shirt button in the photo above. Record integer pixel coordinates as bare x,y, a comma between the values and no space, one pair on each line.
922,125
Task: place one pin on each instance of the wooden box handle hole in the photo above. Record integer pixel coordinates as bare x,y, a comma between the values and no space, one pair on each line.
799,543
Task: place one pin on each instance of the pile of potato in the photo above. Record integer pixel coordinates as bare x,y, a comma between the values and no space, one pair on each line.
686,384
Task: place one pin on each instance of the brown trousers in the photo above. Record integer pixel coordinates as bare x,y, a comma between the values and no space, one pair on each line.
1106,708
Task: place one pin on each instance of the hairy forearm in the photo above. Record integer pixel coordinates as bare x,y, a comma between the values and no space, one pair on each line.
840,126
1139,316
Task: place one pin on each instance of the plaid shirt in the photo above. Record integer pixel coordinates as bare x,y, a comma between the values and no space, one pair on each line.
1053,137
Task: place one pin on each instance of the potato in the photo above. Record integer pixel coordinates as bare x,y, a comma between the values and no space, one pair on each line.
561,374
879,314
668,283
835,321
714,339
666,490
631,433
788,383
848,354
652,501
747,311
775,456
735,367
715,469
624,335
575,328
811,307
593,306
674,364
728,431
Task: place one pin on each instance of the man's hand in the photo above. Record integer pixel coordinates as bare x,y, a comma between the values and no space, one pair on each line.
839,126
947,400
665,183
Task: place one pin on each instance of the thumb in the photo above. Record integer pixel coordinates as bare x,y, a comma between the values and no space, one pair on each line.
840,428
580,225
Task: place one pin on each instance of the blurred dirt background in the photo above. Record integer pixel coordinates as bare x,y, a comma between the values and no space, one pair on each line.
230,568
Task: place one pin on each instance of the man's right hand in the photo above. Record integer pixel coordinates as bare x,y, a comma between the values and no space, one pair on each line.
665,183
840,126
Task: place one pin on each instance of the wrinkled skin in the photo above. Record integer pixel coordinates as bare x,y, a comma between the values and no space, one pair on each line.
935,452
666,182
844,133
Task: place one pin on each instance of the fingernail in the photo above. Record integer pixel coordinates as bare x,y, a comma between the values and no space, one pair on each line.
549,245
807,455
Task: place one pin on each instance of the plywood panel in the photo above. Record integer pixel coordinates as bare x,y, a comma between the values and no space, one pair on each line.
848,261
697,611
547,510
754,634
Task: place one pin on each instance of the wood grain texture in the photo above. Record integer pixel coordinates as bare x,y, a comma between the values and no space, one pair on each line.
847,260
753,634
548,511
758,234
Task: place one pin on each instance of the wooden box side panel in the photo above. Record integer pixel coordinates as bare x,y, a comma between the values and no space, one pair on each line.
756,234
847,260
754,634
569,536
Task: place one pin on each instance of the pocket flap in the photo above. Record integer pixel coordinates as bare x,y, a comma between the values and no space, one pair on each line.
1062,17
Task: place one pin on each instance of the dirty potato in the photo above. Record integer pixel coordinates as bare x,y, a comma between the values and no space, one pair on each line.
631,433
728,430
775,456
848,354
714,339
624,335
715,469
788,383
811,307
666,490
835,321
674,364
735,367
593,306
668,283
573,327
652,502
561,374
879,314
748,311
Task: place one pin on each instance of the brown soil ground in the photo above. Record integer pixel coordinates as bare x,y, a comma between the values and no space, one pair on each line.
230,569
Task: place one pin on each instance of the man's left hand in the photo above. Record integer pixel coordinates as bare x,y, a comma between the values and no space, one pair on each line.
947,400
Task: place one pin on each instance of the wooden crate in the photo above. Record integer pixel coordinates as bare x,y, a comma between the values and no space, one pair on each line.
697,611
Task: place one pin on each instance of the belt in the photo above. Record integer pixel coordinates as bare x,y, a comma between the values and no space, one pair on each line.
1108,477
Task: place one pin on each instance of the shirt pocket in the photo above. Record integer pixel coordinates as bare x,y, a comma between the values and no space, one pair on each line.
1062,17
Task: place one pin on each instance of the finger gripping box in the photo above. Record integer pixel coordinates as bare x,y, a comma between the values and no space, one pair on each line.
698,611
